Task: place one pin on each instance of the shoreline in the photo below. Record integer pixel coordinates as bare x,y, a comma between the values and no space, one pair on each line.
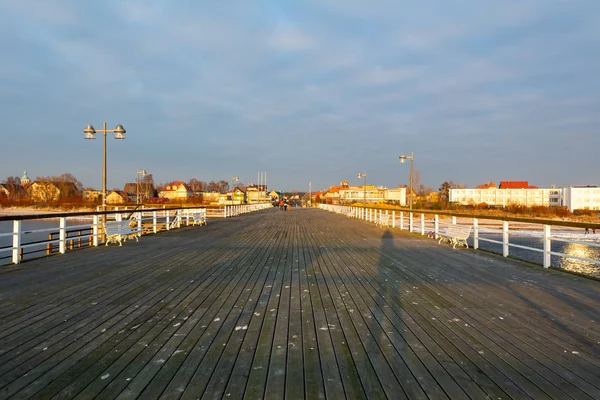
7,212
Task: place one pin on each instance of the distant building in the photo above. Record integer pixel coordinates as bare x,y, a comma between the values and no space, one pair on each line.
581,197
4,190
50,191
115,197
177,190
372,194
502,197
487,185
256,194
516,185
521,193
24,179
274,195
92,195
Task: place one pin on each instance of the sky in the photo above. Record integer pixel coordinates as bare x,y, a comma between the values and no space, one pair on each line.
308,91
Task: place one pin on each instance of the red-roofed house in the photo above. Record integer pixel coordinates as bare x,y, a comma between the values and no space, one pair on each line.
487,185
516,185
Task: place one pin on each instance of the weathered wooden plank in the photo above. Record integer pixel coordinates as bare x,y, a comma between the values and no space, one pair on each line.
366,313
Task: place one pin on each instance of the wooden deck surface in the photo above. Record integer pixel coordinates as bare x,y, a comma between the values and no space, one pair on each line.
300,304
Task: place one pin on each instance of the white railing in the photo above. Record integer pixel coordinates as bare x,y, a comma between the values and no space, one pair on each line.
146,221
433,227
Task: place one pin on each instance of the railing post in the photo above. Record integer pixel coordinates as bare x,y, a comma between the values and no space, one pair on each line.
505,238
475,233
168,219
453,220
547,246
16,250
401,220
410,222
393,219
422,224
95,230
139,223
154,218
62,233
436,225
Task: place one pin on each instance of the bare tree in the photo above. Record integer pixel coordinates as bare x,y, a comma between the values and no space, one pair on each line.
213,187
223,186
13,185
197,186
70,179
146,187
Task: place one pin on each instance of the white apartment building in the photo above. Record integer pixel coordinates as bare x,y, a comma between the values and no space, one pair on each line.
574,198
373,194
581,198
502,197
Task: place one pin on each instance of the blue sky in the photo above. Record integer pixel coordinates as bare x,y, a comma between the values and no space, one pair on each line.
309,91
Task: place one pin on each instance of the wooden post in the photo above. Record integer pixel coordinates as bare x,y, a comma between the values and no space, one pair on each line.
436,225
49,245
393,219
422,224
154,227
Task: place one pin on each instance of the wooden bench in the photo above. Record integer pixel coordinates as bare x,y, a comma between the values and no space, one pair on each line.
456,234
383,221
119,231
197,217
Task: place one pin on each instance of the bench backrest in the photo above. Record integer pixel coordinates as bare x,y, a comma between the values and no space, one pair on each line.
116,227
458,231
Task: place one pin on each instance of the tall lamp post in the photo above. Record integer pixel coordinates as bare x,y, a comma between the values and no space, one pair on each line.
363,175
403,159
90,133
137,180
233,179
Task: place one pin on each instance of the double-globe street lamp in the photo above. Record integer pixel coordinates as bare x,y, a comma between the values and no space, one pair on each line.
363,175
403,159
90,133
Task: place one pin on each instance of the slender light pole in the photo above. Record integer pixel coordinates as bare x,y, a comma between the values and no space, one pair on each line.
364,175
403,159
137,178
233,179
90,133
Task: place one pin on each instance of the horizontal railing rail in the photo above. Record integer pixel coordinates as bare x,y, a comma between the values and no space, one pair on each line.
537,230
21,244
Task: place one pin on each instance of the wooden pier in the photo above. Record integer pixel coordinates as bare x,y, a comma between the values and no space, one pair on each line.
300,304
